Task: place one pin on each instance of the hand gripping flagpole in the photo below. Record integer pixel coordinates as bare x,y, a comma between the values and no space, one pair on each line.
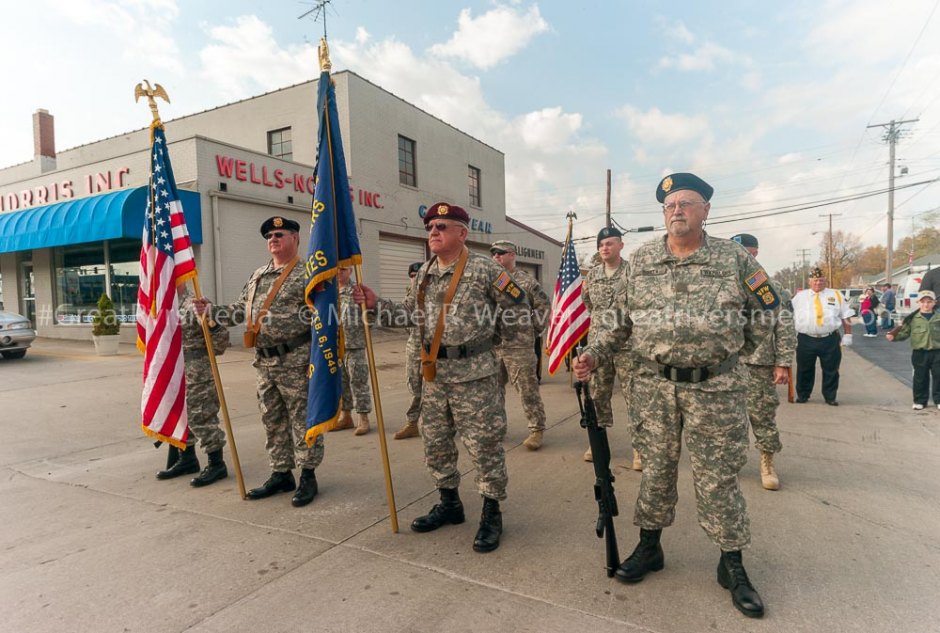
325,65
150,93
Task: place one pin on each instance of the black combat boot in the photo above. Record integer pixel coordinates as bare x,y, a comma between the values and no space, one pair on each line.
307,489
186,464
277,482
491,527
731,576
449,510
214,471
647,557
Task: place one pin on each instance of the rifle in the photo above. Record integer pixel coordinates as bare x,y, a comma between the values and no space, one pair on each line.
603,478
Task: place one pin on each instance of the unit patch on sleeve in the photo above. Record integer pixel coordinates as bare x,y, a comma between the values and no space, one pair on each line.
760,287
506,285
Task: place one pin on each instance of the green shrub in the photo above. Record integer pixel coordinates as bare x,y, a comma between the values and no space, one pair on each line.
105,321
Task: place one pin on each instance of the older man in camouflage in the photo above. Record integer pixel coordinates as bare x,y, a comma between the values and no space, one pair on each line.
273,308
600,289
768,365
690,300
202,400
517,328
412,367
357,392
459,367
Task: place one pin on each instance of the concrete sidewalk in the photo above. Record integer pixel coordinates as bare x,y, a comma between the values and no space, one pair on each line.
92,542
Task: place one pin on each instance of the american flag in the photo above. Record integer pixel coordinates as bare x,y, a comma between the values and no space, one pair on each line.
570,318
166,261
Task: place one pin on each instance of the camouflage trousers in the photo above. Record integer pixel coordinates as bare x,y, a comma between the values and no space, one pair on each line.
762,403
282,399
470,409
415,379
715,426
517,366
202,411
602,386
357,391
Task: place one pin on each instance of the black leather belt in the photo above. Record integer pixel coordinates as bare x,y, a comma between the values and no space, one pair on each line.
461,351
282,349
692,374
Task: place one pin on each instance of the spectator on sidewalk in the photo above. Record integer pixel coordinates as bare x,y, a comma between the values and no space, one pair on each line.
888,301
867,308
922,326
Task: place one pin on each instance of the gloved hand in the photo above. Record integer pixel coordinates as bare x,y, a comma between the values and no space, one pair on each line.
847,340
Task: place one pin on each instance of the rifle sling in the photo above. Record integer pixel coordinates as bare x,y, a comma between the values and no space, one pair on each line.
429,357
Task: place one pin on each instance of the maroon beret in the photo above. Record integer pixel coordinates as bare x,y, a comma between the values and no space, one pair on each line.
446,211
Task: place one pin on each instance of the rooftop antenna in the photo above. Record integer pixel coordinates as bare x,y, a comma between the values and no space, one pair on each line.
318,10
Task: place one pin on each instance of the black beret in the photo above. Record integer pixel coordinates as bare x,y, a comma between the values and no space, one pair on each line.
277,222
608,231
680,182
745,240
415,267
446,212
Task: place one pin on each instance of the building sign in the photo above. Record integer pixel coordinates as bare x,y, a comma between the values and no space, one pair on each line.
64,190
475,225
249,172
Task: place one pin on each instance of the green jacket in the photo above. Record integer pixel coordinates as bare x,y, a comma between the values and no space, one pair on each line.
924,334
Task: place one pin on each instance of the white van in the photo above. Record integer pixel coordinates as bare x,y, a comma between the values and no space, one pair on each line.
907,293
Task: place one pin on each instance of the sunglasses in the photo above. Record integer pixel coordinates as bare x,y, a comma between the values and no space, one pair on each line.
440,226
499,252
273,234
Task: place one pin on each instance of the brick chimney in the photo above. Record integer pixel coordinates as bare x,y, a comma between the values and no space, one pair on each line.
44,139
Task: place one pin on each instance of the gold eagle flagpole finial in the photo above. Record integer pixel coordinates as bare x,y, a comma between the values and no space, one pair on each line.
150,93
323,52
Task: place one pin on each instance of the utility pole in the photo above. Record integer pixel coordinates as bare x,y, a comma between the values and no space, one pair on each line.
829,250
891,137
803,252
608,199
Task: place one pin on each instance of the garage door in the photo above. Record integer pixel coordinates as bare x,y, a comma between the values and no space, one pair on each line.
395,255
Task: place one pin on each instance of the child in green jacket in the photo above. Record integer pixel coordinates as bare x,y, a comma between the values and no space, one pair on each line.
923,328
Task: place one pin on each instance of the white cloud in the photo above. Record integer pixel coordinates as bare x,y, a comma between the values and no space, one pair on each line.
362,35
492,37
548,129
655,127
705,57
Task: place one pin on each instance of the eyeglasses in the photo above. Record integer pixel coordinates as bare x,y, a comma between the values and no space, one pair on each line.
499,252
682,206
273,234
440,226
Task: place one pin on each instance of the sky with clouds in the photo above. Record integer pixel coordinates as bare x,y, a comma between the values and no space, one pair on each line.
769,102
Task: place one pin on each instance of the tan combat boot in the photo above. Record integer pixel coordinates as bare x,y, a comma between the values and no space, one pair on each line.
588,456
637,462
768,476
344,422
362,426
409,430
534,441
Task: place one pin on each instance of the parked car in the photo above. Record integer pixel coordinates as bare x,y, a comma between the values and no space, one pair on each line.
16,335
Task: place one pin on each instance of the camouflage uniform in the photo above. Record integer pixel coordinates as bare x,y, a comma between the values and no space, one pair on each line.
517,329
460,398
598,294
357,392
413,365
202,400
776,347
687,313
281,379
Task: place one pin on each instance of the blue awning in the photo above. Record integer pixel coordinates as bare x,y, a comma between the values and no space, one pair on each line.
108,216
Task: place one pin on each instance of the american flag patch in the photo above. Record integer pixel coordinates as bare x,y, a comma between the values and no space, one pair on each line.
756,280
502,281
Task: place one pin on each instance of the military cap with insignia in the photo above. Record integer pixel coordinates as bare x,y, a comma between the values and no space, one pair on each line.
745,240
415,267
445,211
682,182
608,231
277,222
503,246
816,273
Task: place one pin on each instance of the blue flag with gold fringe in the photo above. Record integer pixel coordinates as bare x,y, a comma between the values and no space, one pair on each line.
333,243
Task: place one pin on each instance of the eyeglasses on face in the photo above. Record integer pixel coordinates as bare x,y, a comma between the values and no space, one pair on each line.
499,252
439,226
682,206
273,234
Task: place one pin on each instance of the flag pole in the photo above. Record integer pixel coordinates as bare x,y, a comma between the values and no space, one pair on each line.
221,393
379,420
150,93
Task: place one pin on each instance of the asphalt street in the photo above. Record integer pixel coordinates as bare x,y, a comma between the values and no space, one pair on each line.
91,542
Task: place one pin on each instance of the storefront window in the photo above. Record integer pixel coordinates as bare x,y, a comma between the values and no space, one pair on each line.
82,274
